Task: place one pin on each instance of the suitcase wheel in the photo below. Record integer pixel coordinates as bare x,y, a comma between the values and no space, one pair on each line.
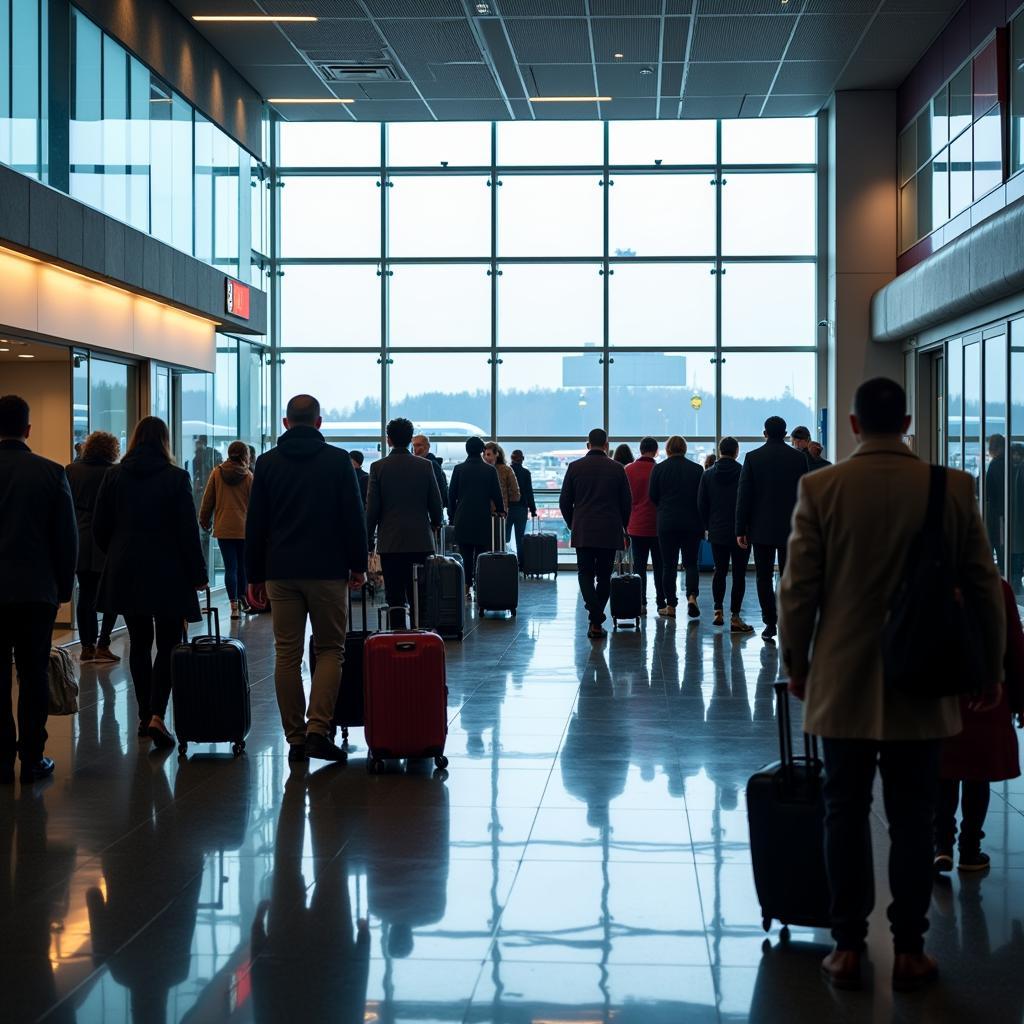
375,766
182,749
513,611
238,748
440,761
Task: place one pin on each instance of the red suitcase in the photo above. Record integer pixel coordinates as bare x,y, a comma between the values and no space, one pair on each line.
405,695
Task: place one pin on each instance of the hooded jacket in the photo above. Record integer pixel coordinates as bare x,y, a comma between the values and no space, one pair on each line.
305,512
145,522
85,477
226,501
716,499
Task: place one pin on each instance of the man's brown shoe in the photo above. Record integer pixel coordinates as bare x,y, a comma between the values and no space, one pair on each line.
911,971
842,969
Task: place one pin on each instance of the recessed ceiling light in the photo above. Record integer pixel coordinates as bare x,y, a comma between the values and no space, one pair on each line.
618,56
5,350
25,355
254,18
483,8
647,71
570,99
307,99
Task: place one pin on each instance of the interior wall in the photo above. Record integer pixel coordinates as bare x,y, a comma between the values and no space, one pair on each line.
46,386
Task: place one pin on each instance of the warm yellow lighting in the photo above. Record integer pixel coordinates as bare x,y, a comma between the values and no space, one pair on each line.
25,355
307,99
259,19
570,99
5,350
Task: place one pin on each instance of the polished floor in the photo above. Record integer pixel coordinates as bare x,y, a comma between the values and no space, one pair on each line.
585,860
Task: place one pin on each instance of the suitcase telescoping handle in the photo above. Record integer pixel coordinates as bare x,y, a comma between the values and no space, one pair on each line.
366,621
212,621
498,533
786,735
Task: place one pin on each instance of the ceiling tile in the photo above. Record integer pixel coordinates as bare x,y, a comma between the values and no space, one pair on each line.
826,36
317,8
873,74
625,80
625,8
391,110
900,36
633,109
730,79
794,106
470,110
457,81
416,8
706,106
336,40
671,79
677,31
741,39
542,8
782,9
807,76
549,40
277,80
751,106
638,38
388,90
559,79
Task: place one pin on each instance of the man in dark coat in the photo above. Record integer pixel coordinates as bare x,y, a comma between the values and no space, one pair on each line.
305,543
403,508
595,504
361,475
421,447
524,506
764,507
38,552
801,438
474,496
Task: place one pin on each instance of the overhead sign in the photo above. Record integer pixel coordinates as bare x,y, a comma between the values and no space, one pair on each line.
237,299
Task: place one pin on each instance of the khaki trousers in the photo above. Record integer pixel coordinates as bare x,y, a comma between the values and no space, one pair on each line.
325,602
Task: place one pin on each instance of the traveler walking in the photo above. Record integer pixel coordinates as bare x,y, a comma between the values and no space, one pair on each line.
305,543
595,504
852,531
100,451
204,461
421,447
403,508
494,455
985,752
764,507
710,459
674,486
523,507
716,498
38,554
361,475
473,492
224,509
643,523
623,455
801,438
145,521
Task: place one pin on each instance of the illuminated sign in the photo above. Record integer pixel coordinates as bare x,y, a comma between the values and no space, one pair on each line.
237,298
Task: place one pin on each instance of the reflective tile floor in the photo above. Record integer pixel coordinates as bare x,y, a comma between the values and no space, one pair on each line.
585,860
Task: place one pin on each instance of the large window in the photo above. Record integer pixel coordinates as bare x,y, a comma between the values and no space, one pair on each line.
532,280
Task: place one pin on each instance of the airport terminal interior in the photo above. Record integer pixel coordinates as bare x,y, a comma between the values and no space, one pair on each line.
515,220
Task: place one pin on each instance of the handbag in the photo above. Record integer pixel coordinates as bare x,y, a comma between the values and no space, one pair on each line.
63,686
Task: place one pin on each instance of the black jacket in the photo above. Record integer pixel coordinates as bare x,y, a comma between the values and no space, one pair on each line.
767,492
145,521
716,499
473,489
306,519
525,480
85,477
673,488
439,476
814,463
38,533
364,483
404,506
596,502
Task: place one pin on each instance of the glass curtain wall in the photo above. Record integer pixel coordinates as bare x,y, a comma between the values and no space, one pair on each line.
23,107
531,280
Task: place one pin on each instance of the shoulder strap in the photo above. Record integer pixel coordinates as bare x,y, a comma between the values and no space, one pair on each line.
936,500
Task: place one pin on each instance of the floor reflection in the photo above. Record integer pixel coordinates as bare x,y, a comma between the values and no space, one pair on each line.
586,859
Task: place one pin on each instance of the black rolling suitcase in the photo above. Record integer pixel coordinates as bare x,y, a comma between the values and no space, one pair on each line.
348,708
540,552
626,595
786,815
210,686
441,583
497,574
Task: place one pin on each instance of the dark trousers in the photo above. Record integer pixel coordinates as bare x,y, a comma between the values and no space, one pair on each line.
518,515
233,553
594,569
676,545
398,583
152,676
764,566
972,799
88,623
26,632
909,781
469,553
641,547
726,555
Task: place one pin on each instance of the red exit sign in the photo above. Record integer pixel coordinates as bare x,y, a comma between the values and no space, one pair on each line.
237,298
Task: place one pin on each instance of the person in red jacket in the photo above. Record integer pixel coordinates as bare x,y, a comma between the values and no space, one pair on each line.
643,521
985,752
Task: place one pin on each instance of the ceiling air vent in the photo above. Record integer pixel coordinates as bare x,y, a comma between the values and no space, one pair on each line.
363,72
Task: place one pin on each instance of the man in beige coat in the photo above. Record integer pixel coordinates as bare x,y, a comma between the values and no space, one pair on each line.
852,528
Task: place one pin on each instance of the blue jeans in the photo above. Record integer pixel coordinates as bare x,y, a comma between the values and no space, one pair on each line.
233,553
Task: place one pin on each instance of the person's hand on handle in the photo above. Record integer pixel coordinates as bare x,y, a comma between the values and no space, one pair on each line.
743,542
258,595
203,586
989,699
797,686
356,580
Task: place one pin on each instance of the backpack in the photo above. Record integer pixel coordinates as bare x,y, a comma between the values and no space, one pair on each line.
931,644
63,684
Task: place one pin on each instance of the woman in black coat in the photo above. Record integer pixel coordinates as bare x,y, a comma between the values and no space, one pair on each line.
473,491
145,521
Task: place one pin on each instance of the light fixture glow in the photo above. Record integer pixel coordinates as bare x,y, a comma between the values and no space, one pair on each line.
307,99
570,99
25,355
5,350
618,56
258,19
483,8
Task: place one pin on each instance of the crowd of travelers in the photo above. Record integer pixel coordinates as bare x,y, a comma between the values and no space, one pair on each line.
296,531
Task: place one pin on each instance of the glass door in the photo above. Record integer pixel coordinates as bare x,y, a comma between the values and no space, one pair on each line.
994,427
104,397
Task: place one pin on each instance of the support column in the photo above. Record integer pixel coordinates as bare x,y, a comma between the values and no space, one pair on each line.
862,211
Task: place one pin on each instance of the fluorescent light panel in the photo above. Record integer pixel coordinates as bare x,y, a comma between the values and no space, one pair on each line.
308,99
570,99
254,18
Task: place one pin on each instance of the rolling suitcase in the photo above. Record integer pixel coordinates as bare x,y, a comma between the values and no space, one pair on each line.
348,708
441,585
786,815
625,595
497,574
210,686
405,694
540,552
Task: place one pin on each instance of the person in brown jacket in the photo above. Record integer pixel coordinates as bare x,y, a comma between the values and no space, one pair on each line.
225,506
494,455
